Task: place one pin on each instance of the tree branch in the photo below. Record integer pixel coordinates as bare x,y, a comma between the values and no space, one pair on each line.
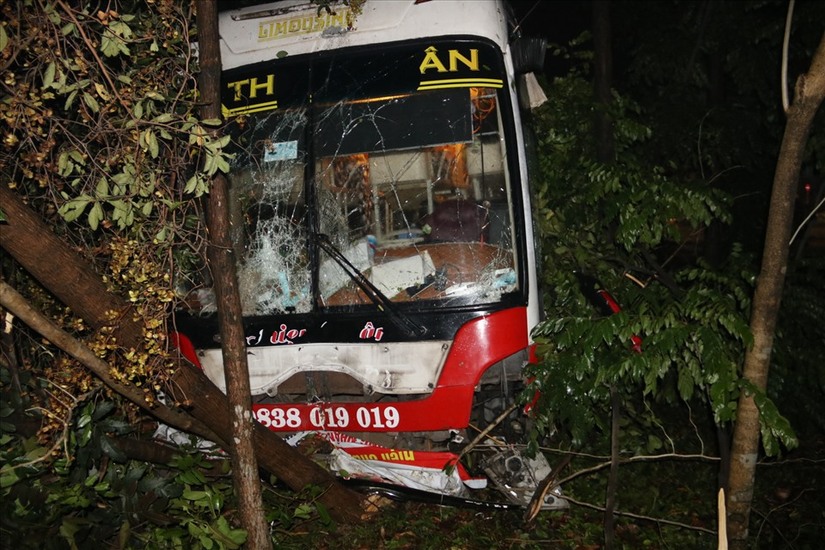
14,302
640,516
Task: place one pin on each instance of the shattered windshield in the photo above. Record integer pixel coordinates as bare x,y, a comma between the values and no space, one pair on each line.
408,183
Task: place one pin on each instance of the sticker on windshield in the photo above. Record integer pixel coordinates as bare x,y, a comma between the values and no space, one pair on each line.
282,150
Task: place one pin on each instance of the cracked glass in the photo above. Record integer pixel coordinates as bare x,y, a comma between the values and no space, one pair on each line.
410,187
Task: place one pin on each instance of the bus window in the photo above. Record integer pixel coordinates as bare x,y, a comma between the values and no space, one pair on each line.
409,184
268,214
407,207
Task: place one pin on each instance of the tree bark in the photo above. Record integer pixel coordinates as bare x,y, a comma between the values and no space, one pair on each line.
603,81
245,475
72,281
810,91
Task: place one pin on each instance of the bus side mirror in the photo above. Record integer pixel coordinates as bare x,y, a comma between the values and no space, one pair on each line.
528,54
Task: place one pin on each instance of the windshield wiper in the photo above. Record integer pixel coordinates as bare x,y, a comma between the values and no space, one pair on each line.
404,322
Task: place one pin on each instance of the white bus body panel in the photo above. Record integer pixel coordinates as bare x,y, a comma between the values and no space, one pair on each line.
250,35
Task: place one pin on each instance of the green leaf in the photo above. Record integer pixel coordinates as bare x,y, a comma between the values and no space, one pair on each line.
124,534
48,74
303,511
85,435
323,513
152,143
111,44
102,409
223,141
163,118
74,208
91,102
120,28
64,166
4,38
8,477
195,496
70,100
233,537
102,188
69,528
210,166
222,164
193,529
95,215
84,420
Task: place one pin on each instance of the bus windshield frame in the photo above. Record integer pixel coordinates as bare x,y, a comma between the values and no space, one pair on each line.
395,158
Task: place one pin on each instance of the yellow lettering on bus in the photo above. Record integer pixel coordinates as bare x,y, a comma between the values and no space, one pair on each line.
431,61
275,29
268,87
338,18
471,63
237,86
265,31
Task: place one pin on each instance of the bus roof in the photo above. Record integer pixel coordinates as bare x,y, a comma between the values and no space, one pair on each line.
295,27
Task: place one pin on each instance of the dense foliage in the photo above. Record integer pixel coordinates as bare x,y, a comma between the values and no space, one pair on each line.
671,227
631,226
101,135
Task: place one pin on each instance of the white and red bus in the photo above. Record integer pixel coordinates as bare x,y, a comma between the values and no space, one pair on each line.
381,212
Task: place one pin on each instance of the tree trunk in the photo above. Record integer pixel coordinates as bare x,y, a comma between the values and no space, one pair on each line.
245,476
72,281
810,91
603,81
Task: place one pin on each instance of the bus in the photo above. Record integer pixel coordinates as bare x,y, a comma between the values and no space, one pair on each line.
381,220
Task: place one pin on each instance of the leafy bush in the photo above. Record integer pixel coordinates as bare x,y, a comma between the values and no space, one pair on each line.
637,230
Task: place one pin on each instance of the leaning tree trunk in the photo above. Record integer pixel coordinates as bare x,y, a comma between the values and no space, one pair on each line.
245,477
73,281
810,91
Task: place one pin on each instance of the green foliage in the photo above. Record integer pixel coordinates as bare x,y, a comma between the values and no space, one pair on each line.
101,123
93,494
711,91
96,496
635,228
102,135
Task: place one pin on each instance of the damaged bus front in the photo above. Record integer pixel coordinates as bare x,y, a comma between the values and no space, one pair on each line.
381,220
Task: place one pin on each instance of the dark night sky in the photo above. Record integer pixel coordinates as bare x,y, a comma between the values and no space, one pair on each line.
559,21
